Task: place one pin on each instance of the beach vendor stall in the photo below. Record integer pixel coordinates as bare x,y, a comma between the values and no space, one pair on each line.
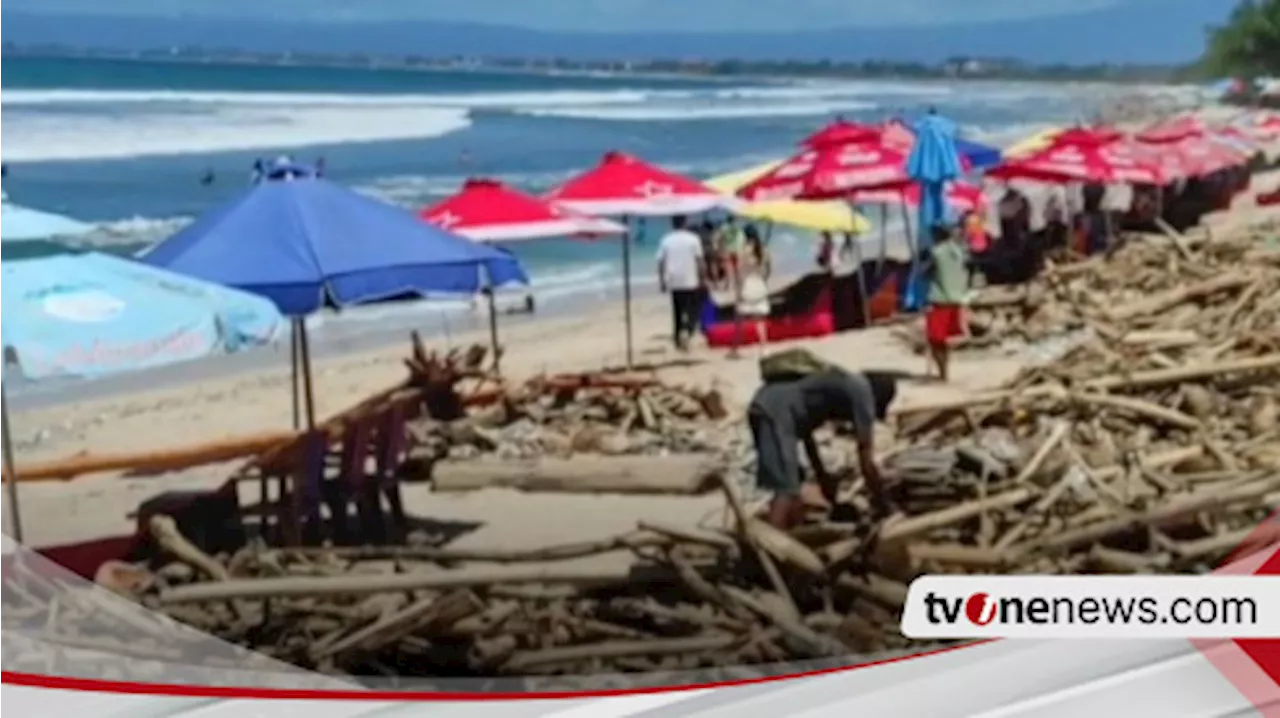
1094,157
87,316
825,216
489,211
310,244
841,171
627,187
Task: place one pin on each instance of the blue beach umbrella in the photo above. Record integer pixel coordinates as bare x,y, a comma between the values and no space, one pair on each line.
22,224
91,315
933,163
308,243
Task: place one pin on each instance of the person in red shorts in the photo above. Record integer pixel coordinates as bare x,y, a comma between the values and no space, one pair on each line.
947,268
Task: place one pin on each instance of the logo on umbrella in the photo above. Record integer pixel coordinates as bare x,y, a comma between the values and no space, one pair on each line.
87,306
446,219
650,188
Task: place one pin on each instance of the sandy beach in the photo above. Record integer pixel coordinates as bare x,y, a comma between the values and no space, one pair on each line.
258,401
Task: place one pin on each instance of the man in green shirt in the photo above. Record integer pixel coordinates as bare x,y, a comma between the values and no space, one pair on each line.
947,268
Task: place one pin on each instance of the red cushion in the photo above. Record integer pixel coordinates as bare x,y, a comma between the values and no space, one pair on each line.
817,324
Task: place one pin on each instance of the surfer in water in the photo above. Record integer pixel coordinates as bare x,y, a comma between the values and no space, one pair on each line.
208,178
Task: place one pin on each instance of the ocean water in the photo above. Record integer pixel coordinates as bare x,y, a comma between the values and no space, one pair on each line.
124,144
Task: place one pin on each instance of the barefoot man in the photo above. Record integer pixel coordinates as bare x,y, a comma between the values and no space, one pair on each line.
784,414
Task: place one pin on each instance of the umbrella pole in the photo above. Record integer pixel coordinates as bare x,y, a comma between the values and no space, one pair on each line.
884,237
493,330
626,288
304,357
294,374
862,282
10,473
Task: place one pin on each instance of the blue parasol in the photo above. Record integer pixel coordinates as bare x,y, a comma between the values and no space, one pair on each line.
933,163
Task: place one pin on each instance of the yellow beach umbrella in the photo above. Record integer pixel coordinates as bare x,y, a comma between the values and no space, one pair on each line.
1034,143
828,216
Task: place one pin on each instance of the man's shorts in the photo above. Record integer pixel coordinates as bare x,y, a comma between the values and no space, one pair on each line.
777,448
941,323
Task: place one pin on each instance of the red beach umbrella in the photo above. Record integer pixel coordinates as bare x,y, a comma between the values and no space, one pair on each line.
961,196
1096,135
897,135
488,211
623,185
834,172
841,131
1103,163
831,171
1173,129
1203,156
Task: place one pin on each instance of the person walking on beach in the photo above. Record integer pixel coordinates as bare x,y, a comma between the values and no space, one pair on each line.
681,269
946,268
791,406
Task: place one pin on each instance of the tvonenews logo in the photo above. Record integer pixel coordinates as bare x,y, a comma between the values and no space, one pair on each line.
1093,607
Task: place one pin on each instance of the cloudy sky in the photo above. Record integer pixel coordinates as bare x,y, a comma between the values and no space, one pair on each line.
609,15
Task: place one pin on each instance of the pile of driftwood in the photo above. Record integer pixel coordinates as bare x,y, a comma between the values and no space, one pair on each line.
589,432
656,599
1153,445
584,414
1177,294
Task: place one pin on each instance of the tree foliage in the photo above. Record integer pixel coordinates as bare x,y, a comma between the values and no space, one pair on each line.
1248,45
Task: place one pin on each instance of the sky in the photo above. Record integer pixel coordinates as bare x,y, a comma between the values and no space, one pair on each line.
730,16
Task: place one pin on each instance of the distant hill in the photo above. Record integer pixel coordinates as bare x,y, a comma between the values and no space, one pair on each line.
1142,32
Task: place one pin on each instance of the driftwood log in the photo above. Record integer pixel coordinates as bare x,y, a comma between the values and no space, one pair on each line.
583,474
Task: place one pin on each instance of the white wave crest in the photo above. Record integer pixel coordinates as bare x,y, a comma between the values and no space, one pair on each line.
223,128
677,113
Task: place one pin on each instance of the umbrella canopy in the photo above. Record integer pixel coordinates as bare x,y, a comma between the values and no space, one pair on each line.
624,185
976,155
1235,138
934,158
1173,129
309,242
91,315
839,132
932,164
1030,145
960,196
1096,135
1203,156
819,216
1096,163
831,171
487,210
20,224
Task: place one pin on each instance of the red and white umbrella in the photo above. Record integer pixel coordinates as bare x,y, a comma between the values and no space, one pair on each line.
830,172
1202,156
489,211
836,172
840,132
1096,135
623,185
1174,129
960,196
1106,163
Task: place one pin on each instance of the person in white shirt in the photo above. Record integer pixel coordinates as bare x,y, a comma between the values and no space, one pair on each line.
681,269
